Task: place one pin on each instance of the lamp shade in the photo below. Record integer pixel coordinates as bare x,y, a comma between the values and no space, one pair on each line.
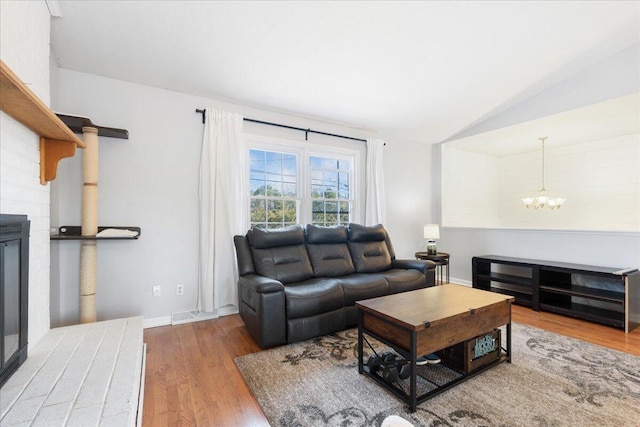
432,231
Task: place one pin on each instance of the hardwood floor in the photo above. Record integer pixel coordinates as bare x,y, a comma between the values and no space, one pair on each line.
191,379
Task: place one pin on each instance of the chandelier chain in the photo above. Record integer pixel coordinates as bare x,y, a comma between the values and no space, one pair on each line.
543,139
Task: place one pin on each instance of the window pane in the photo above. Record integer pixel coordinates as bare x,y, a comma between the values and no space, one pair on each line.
257,162
316,191
257,187
274,188
343,186
290,212
275,212
317,218
289,190
274,162
289,165
258,211
317,206
330,193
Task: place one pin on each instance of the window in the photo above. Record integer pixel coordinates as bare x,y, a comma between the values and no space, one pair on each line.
297,185
273,182
330,191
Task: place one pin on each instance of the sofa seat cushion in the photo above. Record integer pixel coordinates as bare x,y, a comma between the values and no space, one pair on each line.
404,280
304,328
313,296
358,287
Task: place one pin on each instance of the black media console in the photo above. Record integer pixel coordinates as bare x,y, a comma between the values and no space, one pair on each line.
600,294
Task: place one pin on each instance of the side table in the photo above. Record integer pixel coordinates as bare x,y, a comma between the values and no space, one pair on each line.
442,262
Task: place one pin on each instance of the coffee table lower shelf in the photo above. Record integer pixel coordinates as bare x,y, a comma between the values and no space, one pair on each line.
431,380
425,381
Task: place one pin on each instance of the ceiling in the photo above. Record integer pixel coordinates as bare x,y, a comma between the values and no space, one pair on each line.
420,71
601,121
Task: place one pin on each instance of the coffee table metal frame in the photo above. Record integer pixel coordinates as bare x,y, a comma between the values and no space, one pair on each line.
410,354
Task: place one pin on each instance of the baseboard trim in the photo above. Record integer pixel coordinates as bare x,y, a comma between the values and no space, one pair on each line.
188,316
461,282
154,322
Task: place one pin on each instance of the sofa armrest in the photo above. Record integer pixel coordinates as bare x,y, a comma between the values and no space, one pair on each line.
260,284
426,267
415,264
262,308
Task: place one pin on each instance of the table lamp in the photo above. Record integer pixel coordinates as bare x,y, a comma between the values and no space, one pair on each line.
431,232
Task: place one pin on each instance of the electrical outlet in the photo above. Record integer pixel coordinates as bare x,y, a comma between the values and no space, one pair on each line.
156,290
180,289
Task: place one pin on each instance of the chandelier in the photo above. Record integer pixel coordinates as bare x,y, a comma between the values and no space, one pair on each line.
543,200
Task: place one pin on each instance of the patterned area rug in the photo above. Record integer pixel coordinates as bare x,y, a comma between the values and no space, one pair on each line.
553,381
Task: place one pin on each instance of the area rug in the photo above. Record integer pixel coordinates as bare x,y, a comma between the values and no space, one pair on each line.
553,381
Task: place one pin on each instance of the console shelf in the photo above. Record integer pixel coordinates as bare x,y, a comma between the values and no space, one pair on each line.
508,278
600,294
587,312
586,292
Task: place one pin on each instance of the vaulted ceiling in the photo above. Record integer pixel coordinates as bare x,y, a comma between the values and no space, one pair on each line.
420,71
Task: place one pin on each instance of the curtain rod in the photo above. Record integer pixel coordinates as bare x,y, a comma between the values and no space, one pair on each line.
306,131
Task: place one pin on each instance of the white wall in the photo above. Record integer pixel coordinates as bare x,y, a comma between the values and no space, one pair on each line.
24,47
470,189
149,181
618,76
409,196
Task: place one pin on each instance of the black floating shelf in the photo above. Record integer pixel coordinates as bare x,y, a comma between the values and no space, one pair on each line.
76,123
74,232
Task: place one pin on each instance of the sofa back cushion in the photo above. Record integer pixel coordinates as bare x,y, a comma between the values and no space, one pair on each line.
328,251
368,247
280,254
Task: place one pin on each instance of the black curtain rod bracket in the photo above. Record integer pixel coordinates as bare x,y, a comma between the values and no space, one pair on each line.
306,131
203,112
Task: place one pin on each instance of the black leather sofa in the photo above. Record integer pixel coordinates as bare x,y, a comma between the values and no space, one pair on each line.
298,283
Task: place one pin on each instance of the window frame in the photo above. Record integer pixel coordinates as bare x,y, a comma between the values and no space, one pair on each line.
304,151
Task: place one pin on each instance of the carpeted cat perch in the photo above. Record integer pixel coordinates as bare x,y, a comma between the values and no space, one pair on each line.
89,250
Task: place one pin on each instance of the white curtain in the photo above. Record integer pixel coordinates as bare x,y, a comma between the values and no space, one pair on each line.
374,209
223,208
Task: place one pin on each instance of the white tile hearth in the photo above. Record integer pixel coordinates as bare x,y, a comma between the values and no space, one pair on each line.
81,375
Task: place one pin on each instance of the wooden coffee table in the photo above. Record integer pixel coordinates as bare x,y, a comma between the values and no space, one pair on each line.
424,321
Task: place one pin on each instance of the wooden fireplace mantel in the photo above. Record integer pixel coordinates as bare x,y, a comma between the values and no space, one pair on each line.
57,141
